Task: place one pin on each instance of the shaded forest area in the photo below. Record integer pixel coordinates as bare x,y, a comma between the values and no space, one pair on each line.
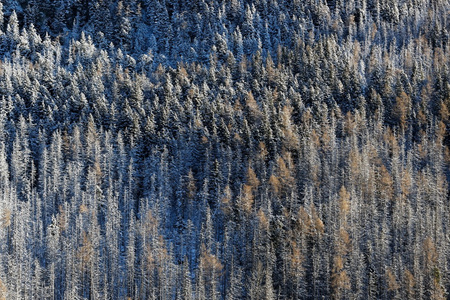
242,149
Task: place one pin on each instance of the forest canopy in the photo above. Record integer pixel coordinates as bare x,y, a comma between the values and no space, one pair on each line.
211,149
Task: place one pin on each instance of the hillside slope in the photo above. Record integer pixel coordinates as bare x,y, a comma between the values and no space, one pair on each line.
224,149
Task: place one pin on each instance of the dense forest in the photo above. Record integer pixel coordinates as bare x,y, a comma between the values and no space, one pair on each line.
224,149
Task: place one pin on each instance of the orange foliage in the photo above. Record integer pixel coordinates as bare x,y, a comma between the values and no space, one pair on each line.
385,182
263,220
310,223
318,224
306,226
430,253
252,179
3,291
262,151
284,173
296,259
391,280
6,218
354,162
315,139
252,106
86,251
275,184
402,109
391,141
83,209
350,124
211,264
444,112
344,201
61,219
409,283
247,198
339,278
